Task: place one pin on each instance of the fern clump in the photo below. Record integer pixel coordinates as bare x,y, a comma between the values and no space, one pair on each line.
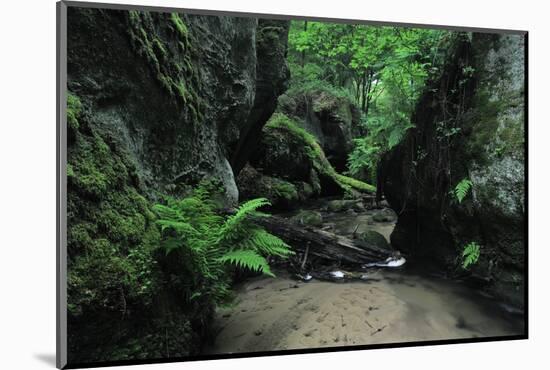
210,242
461,189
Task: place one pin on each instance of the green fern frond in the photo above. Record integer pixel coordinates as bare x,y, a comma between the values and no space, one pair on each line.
470,254
178,226
231,226
166,212
209,241
171,244
247,259
397,134
395,137
268,244
462,189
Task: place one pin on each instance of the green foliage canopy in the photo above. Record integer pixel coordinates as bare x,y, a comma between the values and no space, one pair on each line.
383,69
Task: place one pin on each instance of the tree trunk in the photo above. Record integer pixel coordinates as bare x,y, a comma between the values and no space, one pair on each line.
303,58
358,90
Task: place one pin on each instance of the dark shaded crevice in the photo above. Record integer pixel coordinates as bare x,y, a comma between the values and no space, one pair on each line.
272,77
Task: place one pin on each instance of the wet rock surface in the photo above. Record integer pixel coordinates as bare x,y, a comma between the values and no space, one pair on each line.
483,141
374,237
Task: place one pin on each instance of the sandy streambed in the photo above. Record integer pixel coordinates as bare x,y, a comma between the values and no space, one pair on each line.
392,306
282,313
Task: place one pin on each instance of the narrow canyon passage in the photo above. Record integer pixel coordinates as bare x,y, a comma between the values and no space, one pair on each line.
184,130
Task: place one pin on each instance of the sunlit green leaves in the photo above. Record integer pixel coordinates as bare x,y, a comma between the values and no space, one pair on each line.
384,69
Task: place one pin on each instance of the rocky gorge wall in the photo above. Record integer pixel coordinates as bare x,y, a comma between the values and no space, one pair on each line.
469,125
156,103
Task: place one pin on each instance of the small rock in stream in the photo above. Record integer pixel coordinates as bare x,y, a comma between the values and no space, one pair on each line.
309,218
385,215
337,274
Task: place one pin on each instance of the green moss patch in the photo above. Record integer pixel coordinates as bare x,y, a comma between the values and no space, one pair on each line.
179,26
74,108
111,230
321,164
170,58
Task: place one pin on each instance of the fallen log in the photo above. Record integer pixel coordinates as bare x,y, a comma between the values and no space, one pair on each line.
321,243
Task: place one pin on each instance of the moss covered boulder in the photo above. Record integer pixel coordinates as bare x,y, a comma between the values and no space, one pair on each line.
289,152
281,193
372,237
309,218
340,205
327,113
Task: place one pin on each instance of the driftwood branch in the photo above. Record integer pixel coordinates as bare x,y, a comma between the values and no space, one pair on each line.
321,243
305,257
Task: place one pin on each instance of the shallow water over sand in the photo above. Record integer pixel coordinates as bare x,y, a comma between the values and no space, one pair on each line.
281,313
392,306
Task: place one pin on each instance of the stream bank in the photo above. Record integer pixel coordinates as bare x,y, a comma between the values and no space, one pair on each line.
391,306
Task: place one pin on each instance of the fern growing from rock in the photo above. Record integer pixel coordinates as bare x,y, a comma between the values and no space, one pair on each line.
211,242
470,254
461,189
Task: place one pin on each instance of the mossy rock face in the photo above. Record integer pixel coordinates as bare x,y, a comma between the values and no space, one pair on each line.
282,194
147,116
309,218
163,81
371,237
74,109
272,76
485,85
112,263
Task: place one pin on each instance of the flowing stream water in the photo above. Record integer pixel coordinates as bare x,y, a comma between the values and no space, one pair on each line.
392,306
